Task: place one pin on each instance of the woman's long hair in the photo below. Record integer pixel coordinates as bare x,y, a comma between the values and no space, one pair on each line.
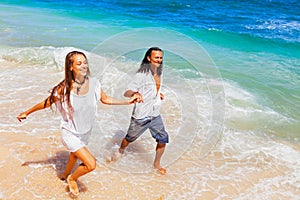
63,89
145,65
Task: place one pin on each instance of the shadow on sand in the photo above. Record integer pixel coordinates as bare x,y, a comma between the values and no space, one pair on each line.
58,162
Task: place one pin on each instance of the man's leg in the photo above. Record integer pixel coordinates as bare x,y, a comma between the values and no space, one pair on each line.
136,128
160,148
159,133
124,144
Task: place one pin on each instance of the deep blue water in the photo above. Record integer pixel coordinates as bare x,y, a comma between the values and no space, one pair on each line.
265,19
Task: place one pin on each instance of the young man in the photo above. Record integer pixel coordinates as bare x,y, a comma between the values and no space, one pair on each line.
147,83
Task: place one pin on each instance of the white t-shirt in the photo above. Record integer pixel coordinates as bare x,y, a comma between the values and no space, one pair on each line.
144,83
85,108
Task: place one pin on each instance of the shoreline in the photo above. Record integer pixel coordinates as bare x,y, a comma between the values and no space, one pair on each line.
30,172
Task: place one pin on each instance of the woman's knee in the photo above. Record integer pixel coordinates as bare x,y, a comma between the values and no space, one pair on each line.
91,165
94,164
88,160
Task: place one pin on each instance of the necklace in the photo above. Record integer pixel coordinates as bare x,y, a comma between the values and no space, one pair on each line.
79,85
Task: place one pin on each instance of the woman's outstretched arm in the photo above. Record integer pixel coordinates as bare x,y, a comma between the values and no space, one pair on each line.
42,105
136,98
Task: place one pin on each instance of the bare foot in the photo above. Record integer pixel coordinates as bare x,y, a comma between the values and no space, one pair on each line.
161,170
121,151
116,156
63,177
72,186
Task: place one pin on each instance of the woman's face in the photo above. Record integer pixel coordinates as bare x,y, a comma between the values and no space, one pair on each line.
80,65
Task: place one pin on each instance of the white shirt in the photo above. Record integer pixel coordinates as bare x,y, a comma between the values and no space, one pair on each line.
85,108
145,84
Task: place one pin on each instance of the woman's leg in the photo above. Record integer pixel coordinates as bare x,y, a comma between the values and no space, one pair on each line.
88,162
88,165
69,166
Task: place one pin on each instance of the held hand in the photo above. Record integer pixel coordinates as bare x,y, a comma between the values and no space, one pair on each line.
162,96
22,116
136,98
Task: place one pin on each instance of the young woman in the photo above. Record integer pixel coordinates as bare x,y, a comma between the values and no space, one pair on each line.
76,98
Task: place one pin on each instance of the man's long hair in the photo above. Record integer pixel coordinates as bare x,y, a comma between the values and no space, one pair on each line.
145,65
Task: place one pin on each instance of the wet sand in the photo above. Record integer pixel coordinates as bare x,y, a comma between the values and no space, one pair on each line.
30,167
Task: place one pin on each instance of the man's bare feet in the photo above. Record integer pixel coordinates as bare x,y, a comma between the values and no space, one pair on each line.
121,151
161,170
72,186
116,155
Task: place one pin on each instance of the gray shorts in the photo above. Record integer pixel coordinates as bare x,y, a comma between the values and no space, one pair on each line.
155,124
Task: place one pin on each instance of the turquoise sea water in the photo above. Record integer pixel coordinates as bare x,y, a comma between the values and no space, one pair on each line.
258,50
255,46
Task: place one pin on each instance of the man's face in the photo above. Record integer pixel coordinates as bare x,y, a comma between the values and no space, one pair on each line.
156,58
